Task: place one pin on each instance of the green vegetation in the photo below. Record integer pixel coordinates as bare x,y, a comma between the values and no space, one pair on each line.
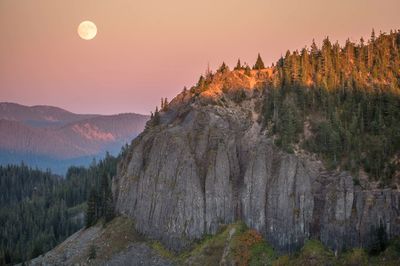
314,253
236,244
164,252
355,257
92,252
223,68
38,210
250,248
100,203
113,237
262,254
208,251
259,63
347,98
238,65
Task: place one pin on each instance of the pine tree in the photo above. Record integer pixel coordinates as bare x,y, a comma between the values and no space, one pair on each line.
305,71
373,36
106,203
201,83
223,68
109,211
91,211
208,73
156,118
247,71
165,104
103,195
92,252
238,65
259,63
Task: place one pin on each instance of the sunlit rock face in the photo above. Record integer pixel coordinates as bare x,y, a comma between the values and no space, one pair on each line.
209,162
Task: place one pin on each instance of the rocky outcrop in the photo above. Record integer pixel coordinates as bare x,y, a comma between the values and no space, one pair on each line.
209,162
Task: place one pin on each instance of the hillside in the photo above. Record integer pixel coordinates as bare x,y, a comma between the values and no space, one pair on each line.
40,115
50,137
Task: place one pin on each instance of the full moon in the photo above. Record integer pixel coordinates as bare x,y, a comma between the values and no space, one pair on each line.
87,30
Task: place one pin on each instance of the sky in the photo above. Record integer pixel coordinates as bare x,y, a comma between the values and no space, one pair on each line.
148,49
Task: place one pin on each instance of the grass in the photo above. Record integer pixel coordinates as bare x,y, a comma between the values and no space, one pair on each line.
235,244
164,252
355,257
262,254
115,236
208,251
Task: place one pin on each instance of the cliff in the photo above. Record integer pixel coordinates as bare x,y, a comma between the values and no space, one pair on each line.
209,161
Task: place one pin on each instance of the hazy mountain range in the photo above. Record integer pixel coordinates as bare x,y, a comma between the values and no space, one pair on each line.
50,137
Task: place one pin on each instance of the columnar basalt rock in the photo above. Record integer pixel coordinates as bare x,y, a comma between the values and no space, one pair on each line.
210,163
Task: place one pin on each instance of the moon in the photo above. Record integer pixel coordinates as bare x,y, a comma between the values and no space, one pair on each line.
87,30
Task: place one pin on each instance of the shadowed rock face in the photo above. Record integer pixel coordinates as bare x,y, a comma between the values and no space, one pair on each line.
209,162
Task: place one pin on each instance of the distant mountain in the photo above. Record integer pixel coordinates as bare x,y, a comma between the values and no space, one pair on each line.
39,115
50,137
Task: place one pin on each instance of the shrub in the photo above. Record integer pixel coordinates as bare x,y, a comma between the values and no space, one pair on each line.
357,257
92,252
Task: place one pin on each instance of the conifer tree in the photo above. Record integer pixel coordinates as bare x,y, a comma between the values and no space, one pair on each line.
165,104
238,65
92,252
208,73
223,68
156,118
109,210
259,63
201,83
104,190
107,204
91,211
247,71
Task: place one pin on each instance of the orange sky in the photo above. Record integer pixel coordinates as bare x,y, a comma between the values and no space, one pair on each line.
148,49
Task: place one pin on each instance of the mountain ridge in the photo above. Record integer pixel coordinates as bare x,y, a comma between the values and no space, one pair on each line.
57,135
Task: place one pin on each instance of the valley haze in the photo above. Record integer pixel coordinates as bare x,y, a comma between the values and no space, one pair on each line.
51,137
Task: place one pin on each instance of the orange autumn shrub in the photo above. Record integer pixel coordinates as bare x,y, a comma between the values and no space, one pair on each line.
243,245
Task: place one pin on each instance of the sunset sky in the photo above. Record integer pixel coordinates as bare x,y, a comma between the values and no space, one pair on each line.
148,49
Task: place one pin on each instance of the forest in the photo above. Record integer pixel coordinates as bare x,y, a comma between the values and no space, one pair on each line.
38,209
342,103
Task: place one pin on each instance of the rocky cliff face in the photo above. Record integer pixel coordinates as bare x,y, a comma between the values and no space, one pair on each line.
209,162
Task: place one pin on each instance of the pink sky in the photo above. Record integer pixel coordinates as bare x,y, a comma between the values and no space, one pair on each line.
148,49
